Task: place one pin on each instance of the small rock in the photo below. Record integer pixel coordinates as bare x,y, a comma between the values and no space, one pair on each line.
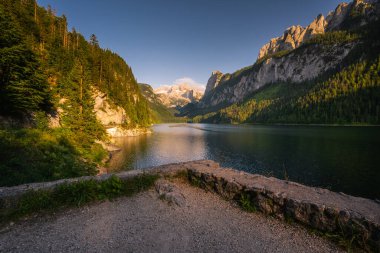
170,193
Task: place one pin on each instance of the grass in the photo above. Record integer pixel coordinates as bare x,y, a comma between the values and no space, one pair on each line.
344,242
246,203
35,155
75,195
194,181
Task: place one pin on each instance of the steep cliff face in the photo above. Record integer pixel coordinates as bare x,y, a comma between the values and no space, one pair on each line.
213,81
113,117
298,66
293,37
294,57
107,113
338,19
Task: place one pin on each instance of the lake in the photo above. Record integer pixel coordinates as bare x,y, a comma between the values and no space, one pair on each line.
343,159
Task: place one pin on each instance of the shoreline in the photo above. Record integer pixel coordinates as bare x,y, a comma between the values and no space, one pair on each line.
273,124
289,124
120,132
116,132
186,219
353,218
319,125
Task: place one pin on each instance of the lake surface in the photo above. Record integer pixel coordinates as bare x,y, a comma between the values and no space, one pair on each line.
343,159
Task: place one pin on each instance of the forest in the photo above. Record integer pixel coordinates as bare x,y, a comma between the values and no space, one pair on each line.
351,96
47,71
348,95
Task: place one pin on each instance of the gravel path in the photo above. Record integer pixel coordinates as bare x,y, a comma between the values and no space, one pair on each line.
146,223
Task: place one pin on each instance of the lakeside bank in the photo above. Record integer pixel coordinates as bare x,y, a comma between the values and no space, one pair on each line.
352,218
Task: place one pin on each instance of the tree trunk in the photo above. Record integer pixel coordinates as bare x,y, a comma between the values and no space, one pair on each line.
81,89
35,11
100,72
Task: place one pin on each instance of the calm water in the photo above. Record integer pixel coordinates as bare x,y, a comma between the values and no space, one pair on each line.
345,159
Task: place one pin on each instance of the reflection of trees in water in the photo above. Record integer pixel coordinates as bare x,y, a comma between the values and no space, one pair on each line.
131,149
343,159
338,159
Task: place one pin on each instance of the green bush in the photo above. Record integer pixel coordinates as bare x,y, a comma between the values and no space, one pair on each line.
33,155
76,194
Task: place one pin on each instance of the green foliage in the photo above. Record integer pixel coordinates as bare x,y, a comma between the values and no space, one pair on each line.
194,181
351,96
76,194
32,155
30,37
333,38
246,203
278,54
159,112
43,68
79,115
23,87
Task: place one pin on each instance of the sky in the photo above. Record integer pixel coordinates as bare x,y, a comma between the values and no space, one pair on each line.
166,41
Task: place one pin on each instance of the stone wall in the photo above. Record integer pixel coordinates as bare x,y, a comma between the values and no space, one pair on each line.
323,210
320,209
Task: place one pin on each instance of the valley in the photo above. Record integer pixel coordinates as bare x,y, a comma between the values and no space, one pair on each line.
87,118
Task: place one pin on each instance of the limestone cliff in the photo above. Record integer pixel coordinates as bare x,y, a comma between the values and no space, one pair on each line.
112,116
294,36
107,112
297,66
213,82
300,62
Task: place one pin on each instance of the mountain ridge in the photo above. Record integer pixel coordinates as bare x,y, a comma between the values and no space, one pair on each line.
179,95
328,50
59,92
160,112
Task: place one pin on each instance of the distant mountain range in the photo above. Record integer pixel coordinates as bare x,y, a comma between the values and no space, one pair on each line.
327,72
179,95
160,112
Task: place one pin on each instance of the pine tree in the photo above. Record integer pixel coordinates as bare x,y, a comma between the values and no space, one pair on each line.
23,86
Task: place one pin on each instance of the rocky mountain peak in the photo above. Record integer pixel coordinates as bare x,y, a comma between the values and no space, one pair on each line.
306,63
179,94
213,81
216,72
336,17
294,36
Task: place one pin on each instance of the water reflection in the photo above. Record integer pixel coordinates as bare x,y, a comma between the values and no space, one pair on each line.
168,144
340,158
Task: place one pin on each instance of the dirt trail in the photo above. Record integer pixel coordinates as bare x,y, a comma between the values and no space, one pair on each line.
147,223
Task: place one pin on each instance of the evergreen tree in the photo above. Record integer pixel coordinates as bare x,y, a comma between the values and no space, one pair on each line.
23,86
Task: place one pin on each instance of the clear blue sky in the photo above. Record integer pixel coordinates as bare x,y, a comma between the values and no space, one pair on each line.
164,40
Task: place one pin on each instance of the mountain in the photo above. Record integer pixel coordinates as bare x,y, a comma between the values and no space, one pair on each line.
160,112
67,65
179,95
59,93
322,73
343,17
